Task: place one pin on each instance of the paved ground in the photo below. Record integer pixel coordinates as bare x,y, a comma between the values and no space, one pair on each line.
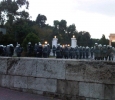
7,94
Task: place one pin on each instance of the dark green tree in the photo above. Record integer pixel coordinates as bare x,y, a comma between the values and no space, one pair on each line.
31,37
10,9
103,40
41,20
83,38
6,39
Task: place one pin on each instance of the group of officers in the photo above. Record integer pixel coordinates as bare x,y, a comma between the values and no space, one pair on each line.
98,52
10,49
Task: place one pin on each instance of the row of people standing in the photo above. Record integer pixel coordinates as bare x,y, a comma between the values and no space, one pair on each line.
98,52
70,52
38,50
105,52
7,50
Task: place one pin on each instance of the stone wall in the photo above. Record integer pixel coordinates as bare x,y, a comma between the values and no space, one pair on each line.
68,79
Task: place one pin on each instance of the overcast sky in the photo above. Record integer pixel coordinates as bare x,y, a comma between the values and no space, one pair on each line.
95,16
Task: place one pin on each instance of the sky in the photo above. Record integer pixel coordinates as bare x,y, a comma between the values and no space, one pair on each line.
94,16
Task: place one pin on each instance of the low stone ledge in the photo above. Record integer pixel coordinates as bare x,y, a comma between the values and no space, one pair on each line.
91,71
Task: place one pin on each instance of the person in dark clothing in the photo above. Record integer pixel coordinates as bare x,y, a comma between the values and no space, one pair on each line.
58,51
54,50
1,50
66,52
11,48
40,50
45,51
19,50
29,50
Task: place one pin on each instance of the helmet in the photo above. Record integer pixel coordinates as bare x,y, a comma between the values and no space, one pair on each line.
29,42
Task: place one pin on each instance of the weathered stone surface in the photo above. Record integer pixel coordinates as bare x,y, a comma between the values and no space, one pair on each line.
85,79
7,81
91,71
47,68
3,66
51,68
109,91
67,87
91,90
20,82
24,67
41,84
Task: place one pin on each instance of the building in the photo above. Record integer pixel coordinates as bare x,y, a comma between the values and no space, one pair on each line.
111,38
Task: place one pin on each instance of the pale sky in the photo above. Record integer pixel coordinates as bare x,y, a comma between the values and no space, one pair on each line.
94,16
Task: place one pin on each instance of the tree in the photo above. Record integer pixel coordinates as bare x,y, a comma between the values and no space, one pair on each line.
9,10
31,37
103,40
62,26
6,39
83,38
21,28
41,20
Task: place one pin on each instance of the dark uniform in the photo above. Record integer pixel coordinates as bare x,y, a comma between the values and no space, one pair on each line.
40,51
58,52
19,50
54,50
45,51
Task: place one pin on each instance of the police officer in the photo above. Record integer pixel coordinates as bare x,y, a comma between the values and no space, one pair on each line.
80,52
1,50
66,52
76,50
35,50
91,52
45,51
87,52
71,52
11,50
110,53
40,50
19,50
96,52
83,52
49,50
54,50
104,52
58,51
29,49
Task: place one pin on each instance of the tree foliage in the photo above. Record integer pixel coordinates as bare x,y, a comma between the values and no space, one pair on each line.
103,40
9,10
41,20
31,37
21,29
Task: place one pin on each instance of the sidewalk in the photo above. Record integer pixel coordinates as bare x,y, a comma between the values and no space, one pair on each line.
7,94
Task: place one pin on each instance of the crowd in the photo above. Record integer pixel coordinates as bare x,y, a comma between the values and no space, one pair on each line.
98,52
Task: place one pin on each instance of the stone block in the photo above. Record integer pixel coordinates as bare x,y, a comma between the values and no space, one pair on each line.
109,92
51,68
42,84
7,81
24,67
3,66
48,68
91,71
20,82
91,90
67,87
